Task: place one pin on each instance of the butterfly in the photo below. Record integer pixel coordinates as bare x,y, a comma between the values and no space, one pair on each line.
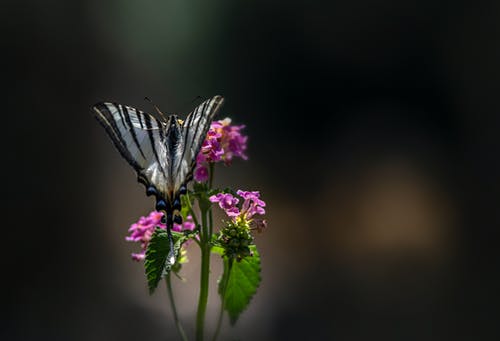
162,150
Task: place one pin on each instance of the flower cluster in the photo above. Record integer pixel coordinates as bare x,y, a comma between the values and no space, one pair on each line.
223,143
235,236
144,228
236,239
252,204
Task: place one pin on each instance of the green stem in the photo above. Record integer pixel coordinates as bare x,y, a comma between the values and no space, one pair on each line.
211,175
210,182
174,309
205,269
210,223
227,272
205,247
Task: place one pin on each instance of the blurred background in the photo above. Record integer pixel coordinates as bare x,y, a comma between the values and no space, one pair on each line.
373,139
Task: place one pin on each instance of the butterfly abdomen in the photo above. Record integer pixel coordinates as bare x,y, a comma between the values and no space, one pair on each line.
174,135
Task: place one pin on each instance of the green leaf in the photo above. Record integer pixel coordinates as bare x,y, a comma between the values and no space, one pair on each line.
218,250
239,283
156,264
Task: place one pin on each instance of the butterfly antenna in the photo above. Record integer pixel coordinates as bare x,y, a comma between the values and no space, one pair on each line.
188,105
192,101
156,107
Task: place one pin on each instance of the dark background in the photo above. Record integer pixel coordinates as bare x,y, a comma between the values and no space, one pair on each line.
373,138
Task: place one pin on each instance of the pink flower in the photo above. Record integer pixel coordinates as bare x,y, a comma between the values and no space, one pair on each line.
252,204
223,143
201,173
227,202
211,147
235,144
142,231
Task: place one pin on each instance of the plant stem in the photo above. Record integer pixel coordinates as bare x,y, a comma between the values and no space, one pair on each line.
227,272
210,182
205,269
205,247
210,223
174,309
211,175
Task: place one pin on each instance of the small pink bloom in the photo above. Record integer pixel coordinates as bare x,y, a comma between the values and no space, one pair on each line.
223,142
142,231
252,204
188,224
233,212
139,256
227,202
201,173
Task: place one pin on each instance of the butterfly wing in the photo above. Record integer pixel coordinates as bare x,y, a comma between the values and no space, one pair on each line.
139,137
194,131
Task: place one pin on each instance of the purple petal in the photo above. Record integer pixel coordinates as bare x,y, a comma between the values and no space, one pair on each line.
201,174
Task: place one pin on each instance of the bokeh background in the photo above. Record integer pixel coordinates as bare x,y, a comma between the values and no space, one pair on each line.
373,138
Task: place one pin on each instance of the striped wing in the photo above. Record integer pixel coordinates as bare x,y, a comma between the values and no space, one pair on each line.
194,131
139,137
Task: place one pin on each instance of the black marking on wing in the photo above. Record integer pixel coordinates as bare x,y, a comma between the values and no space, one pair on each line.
152,141
204,118
139,116
109,124
132,130
137,138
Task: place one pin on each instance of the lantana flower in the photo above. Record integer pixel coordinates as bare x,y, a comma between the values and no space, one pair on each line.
142,231
227,202
235,234
223,143
252,204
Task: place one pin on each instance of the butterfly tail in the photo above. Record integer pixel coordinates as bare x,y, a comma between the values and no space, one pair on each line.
171,252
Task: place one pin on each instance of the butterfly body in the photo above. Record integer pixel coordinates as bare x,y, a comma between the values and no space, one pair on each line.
161,150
